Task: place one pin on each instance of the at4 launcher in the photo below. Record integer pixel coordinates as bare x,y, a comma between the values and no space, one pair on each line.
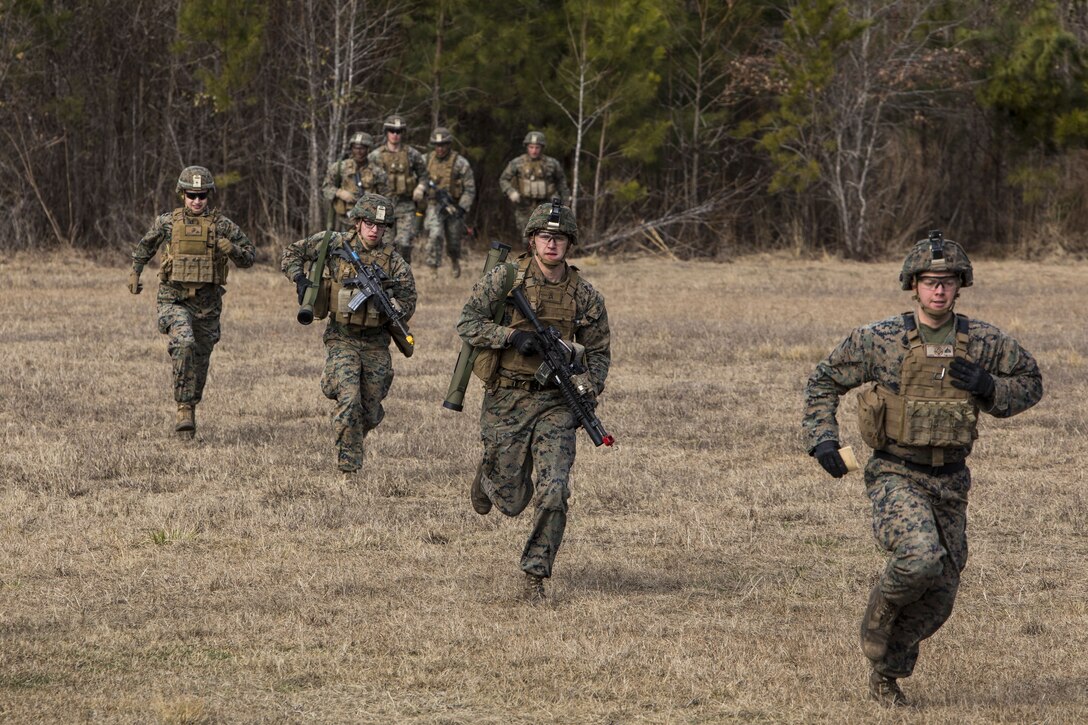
558,367
368,285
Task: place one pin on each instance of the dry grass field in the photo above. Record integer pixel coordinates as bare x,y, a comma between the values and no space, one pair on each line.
711,571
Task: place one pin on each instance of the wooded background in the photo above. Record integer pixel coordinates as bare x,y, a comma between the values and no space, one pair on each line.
714,127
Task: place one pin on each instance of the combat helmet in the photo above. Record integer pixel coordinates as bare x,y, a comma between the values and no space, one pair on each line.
195,178
553,217
359,138
936,254
395,122
535,137
374,208
441,134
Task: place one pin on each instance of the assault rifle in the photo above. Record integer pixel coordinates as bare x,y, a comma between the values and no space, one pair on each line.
368,283
558,367
446,204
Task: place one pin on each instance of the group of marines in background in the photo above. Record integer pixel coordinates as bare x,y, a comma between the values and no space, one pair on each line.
932,370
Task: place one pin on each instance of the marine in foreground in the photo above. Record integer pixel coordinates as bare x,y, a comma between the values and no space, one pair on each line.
531,410
928,374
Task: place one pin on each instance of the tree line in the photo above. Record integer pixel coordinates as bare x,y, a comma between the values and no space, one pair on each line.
705,128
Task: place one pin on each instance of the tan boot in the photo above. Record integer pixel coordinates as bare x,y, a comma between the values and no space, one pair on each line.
455,268
885,690
185,422
534,589
876,625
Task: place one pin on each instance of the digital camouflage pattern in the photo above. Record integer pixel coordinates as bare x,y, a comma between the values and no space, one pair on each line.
195,178
921,520
408,223
522,429
358,368
918,518
443,229
541,220
875,352
936,255
191,320
550,172
357,179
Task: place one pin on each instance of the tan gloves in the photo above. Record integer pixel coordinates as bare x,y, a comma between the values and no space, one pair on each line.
345,195
224,245
134,285
514,196
417,193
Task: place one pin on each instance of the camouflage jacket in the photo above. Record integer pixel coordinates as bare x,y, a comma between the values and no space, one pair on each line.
553,172
346,168
242,252
462,173
875,352
417,169
305,250
476,326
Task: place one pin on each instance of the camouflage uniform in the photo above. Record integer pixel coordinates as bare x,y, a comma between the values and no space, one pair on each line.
189,315
919,510
358,368
535,181
523,426
405,169
361,178
454,173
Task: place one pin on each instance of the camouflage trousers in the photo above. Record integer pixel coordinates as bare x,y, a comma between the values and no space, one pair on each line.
921,520
407,228
442,228
358,373
523,431
191,325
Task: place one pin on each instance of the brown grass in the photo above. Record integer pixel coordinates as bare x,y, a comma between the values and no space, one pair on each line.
711,571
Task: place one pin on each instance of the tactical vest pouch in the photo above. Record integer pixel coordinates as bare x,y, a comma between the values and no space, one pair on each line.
199,268
538,189
871,412
486,364
938,423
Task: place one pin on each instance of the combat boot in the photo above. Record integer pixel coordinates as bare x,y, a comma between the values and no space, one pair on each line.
876,624
455,268
481,502
885,690
349,478
185,422
534,589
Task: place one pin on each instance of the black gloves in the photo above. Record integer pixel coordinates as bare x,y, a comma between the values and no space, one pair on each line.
827,453
971,377
524,342
302,283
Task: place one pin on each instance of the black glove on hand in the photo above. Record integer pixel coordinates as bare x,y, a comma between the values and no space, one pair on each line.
524,342
827,453
971,377
302,283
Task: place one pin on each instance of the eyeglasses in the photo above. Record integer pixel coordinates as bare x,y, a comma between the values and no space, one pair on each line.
932,283
397,131
196,194
555,239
